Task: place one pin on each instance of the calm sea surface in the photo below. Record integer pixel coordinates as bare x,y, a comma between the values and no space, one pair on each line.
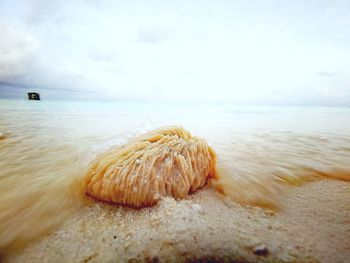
45,147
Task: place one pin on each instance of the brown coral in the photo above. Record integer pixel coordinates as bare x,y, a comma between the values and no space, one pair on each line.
164,162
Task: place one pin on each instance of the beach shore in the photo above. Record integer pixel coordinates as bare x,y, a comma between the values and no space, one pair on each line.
45,155
313,225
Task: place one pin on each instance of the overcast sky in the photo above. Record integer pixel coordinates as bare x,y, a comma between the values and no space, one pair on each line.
245,52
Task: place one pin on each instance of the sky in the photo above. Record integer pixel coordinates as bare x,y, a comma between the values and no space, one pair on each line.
243,52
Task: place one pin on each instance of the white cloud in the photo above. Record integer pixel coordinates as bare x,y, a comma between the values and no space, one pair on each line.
295,53
17,49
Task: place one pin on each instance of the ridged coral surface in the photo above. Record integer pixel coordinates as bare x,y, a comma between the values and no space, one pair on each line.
165,162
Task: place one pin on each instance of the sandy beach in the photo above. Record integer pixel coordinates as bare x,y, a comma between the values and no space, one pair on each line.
312,226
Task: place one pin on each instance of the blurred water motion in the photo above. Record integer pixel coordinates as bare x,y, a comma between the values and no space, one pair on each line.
45,148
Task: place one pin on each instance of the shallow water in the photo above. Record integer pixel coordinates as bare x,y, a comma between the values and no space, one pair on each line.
45,148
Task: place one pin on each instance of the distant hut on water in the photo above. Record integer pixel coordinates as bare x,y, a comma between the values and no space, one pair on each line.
33,96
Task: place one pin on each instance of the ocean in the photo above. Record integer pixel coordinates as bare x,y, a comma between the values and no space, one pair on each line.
46,146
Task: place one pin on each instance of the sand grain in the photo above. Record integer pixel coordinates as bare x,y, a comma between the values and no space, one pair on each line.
314,226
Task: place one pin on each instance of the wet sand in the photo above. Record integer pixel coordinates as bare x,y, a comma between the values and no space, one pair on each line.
312,226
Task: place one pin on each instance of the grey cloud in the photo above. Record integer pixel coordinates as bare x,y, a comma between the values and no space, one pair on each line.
100,55
38,11
17,90
326,74
16,85
155,34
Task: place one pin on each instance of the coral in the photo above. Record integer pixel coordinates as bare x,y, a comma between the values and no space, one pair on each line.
165,162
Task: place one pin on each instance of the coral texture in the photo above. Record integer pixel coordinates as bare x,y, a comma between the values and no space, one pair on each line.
165,162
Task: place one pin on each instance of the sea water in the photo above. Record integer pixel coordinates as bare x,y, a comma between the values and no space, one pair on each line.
46,146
